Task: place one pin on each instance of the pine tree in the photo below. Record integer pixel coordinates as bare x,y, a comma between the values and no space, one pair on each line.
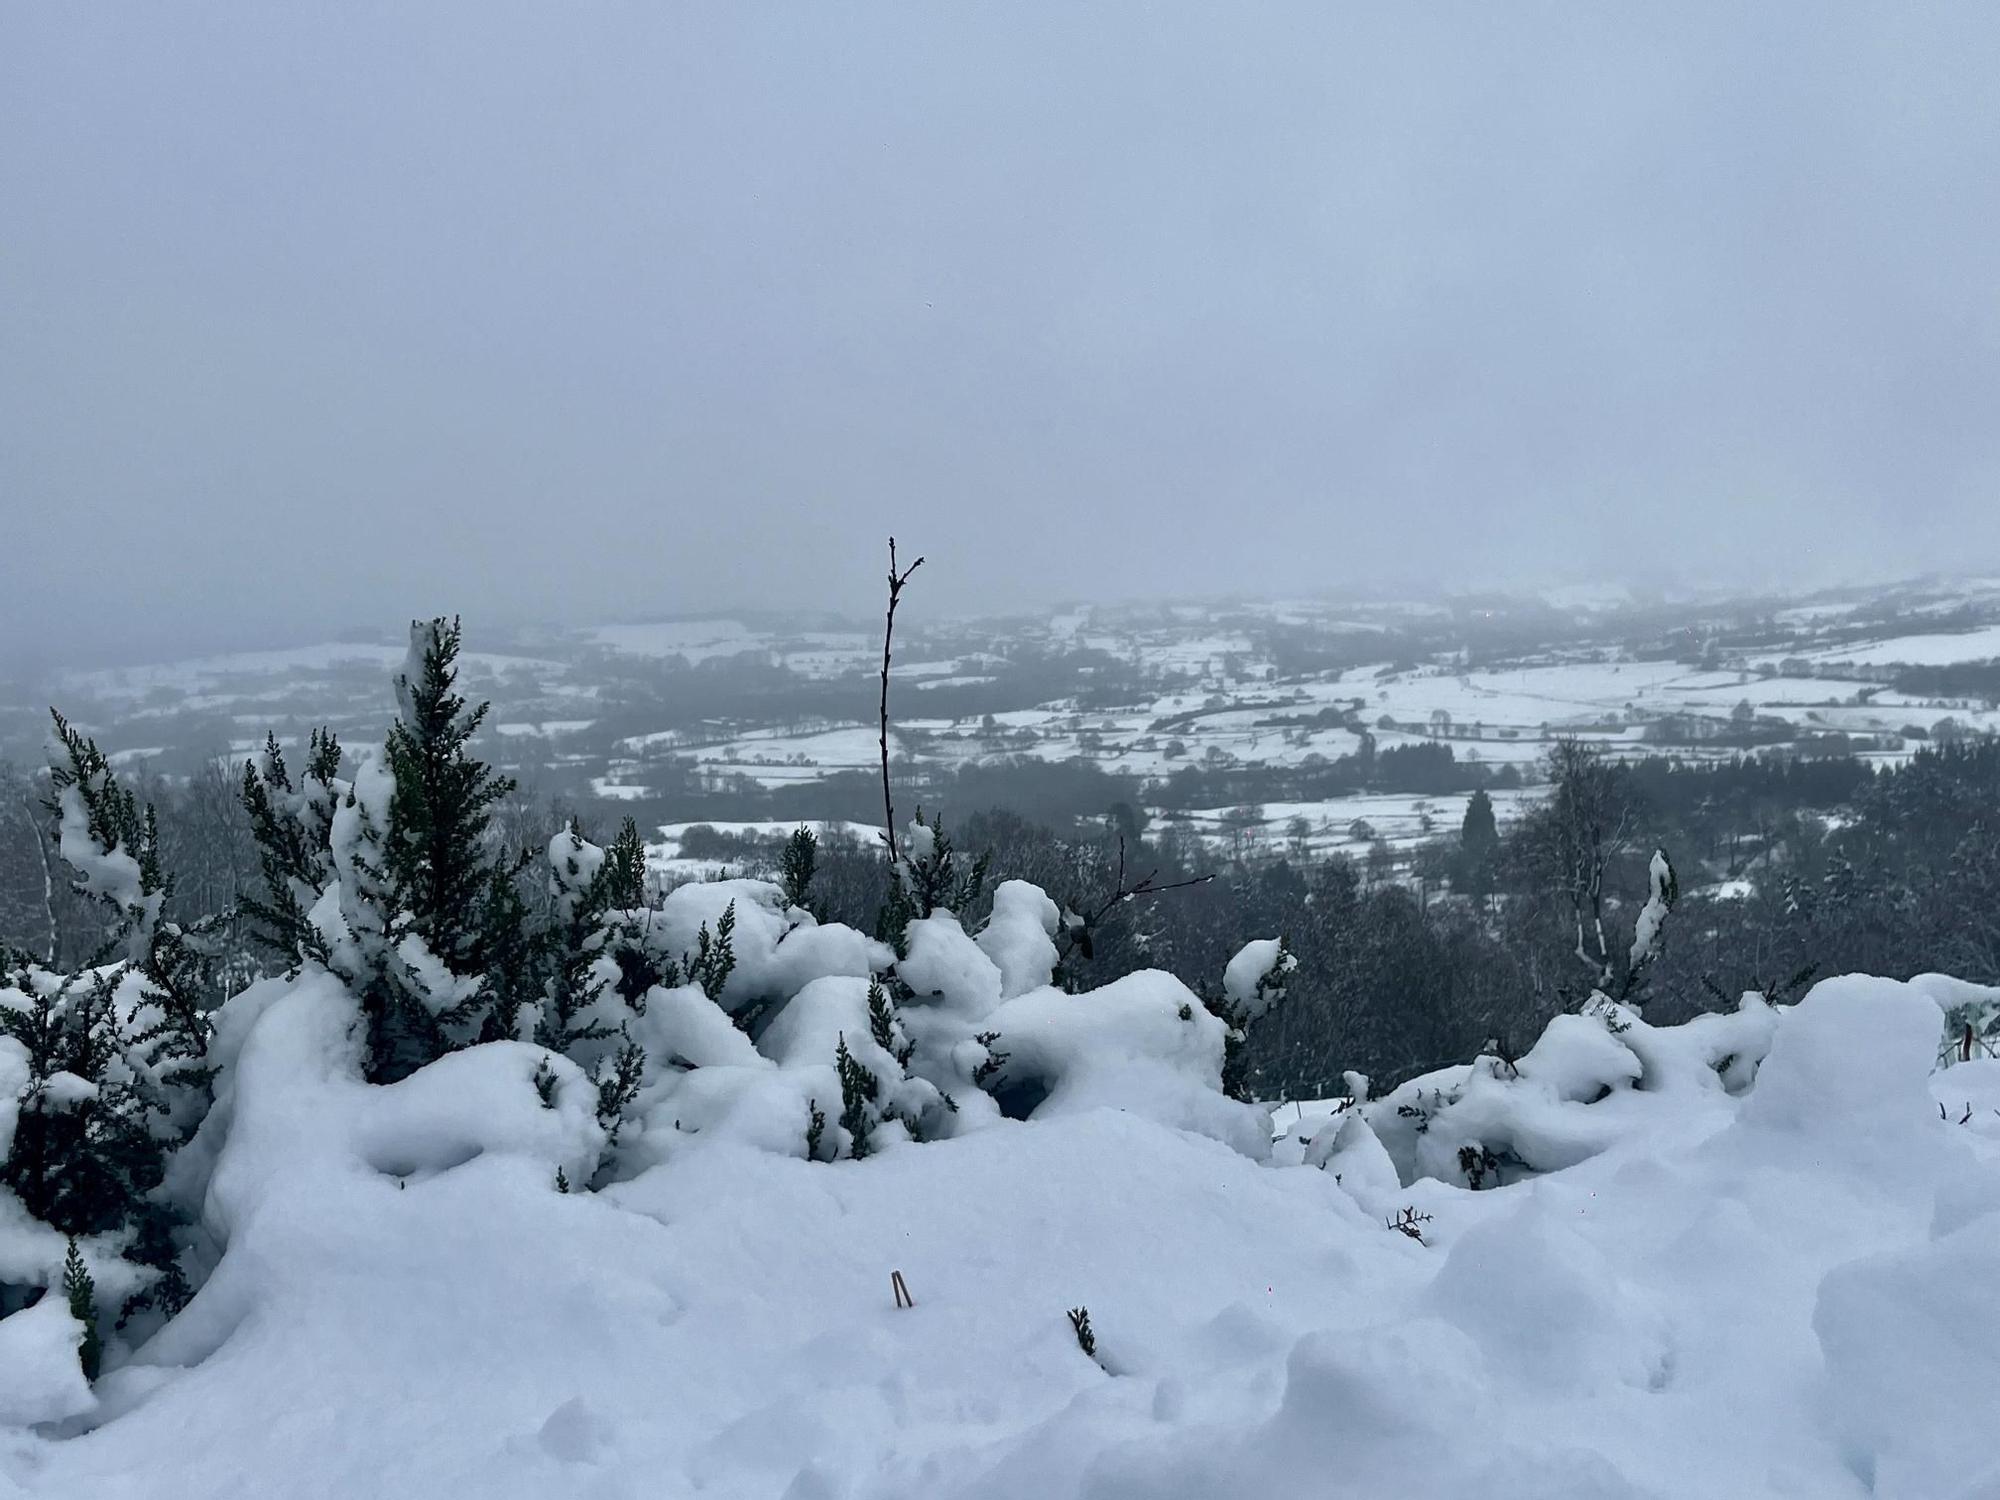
580,882
619,1079
442,883
516,957
625,867
81,1293
714,956
927,879
116,1053
436,851
1240,1010
293,828
1479,834
82,1158
796,866
882,1024
113,846
858,1091
85,1159
103,837
1478,855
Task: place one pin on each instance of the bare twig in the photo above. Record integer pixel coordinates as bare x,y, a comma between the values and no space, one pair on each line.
1077,934
1407,1221
48,879
896,582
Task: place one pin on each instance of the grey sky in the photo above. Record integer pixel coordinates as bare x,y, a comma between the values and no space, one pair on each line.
315,316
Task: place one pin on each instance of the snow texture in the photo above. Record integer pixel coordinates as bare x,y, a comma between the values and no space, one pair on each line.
1750,1255
1020,937
41,1378
1254,980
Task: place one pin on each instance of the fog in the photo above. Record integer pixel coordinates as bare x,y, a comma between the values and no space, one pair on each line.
314,318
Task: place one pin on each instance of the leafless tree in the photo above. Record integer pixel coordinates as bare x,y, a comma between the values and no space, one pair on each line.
897,579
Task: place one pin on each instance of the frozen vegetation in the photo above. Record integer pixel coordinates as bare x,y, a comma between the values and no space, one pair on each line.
1752,1258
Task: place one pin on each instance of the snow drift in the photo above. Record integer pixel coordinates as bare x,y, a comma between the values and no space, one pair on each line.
1756,1255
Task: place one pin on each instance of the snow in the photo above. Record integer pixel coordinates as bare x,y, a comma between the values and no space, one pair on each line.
1253,980
667,847
1928,650
1019,937
1401,819
109,873
545,729
696,640
1888,1326
946,965
250,671
1653,915
775,759
40,1378
1143,1044
618,791
1746,1256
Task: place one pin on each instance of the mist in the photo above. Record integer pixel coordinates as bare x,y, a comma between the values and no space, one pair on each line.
319,318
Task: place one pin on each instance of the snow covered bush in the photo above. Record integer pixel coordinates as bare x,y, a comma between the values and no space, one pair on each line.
1776,1291
1252,985
723,1010
292,823
1590,1080
103,1072
1971,1017
927,877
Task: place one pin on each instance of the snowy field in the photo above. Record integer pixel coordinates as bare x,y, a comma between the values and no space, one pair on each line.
1347,824
812,653
665,860
1932,650
245,671
1211,692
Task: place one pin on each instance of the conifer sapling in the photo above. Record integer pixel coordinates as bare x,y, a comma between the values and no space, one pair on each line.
80,1290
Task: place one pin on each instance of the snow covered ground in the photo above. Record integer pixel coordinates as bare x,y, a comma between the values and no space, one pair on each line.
1920,650
666,859
1791,1290
1348,824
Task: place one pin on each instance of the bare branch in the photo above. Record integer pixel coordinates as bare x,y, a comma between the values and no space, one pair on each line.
1077,934
896,581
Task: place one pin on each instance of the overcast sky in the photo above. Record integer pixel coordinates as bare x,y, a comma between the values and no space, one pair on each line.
321,316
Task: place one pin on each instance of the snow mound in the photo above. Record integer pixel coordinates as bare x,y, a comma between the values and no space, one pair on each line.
41,1379
1747,1256
1143,1043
